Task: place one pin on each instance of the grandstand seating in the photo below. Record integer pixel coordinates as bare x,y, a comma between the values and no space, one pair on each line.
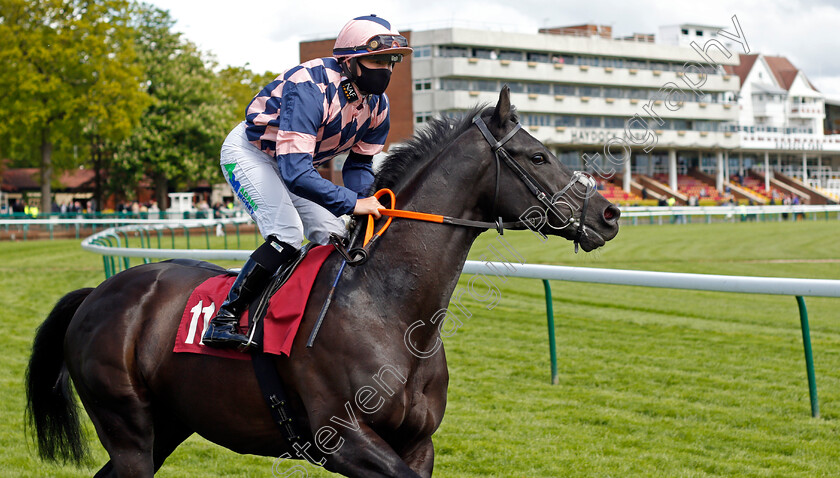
615,193
691,186
757,187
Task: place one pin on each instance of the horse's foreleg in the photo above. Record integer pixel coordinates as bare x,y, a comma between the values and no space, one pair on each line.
169,433
421,457
364,454
106,471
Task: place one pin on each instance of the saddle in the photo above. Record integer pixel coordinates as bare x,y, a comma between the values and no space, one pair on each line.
275,315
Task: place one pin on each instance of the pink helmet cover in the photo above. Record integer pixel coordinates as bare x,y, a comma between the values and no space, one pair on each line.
359,32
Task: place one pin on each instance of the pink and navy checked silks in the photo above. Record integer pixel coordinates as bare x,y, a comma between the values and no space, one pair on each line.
303,118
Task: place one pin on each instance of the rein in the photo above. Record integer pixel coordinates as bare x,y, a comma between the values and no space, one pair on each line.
359,255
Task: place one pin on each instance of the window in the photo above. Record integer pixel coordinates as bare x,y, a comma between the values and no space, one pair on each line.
516,87
454,52
589,60
638,94
422,52
536,120
453,114
612,62
565,121
511,55
423,84
486,85
571,159
636,64
699,33
590,90
685,31
567,90
422,117
614,122
539,88
539,57
590,121
482,53
614,92
677,124
450,84
564,59
705,125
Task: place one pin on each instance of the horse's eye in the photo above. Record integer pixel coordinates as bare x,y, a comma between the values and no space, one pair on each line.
538,158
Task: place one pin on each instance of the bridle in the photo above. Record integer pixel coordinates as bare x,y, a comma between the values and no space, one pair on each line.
359,255
549,201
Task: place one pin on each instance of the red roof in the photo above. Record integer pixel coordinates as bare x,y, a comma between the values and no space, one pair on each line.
20,179
783,70
743,68
29,179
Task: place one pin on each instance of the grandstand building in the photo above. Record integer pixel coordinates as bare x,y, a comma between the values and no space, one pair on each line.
705,123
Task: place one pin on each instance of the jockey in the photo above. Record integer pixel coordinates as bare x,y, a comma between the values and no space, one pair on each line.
306,116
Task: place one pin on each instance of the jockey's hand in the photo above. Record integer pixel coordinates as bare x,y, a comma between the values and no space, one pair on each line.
369,205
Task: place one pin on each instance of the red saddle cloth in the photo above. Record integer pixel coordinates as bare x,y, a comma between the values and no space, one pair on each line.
285,310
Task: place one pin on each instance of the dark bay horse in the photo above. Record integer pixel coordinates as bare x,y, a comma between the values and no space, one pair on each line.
365,401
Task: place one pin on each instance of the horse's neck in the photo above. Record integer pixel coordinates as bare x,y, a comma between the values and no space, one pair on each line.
420,260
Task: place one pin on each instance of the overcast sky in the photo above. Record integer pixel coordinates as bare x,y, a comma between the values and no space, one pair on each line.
264,34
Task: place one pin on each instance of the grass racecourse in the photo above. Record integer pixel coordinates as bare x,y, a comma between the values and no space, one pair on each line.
653,382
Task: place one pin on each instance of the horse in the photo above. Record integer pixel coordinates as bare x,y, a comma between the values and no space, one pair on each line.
365,402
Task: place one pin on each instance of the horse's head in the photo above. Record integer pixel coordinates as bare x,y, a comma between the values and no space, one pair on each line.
526,182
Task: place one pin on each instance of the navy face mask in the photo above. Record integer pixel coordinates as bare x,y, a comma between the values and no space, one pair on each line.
373,80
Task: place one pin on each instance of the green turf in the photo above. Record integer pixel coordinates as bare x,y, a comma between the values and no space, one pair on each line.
653,382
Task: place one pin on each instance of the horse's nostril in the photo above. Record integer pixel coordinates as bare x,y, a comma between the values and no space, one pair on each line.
611,213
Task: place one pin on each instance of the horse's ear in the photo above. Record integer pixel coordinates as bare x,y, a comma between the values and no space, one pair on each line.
502,112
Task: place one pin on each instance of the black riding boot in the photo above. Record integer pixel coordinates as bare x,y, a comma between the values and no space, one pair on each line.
223,330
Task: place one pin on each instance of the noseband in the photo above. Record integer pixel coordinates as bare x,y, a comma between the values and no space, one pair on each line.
549,201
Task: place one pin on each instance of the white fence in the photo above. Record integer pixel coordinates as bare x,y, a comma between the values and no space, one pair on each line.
815,211
666,280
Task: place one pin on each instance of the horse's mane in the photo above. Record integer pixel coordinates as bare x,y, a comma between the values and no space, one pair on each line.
425,145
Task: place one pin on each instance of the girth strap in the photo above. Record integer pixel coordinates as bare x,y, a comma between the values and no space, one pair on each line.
275,396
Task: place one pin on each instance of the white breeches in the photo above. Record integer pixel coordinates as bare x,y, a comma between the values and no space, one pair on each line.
256,182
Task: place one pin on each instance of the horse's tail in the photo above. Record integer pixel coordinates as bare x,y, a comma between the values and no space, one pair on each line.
50,407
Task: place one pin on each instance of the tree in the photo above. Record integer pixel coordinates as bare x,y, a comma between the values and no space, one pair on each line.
69,73
240,84
179,136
